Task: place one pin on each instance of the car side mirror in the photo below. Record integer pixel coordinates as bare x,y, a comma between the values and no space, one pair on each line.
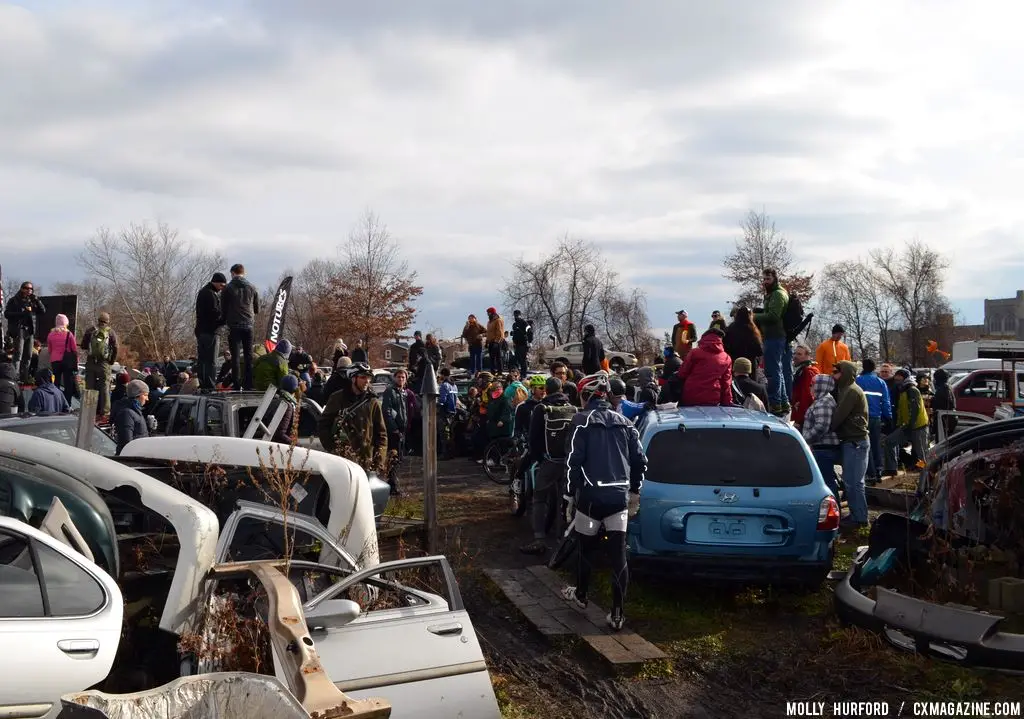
333,613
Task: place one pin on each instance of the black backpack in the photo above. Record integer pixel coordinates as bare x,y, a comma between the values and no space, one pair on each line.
557,422
793,319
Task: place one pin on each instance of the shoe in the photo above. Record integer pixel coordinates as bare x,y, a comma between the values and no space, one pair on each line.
569,595
890,473
536,547
615,619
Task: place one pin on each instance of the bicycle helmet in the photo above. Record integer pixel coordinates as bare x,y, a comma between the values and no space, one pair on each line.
538,381
594,384
358,369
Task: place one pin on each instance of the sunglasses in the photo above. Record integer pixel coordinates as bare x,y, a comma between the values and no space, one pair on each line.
27,287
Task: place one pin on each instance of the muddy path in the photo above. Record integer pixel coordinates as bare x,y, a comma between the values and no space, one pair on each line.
733,651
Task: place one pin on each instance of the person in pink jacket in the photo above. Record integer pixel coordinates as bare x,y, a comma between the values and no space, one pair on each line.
707,373
61,343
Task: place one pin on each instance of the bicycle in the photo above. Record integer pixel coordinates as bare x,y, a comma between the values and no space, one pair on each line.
502,458
521,496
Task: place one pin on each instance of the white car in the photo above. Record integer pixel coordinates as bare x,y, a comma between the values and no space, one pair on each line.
572,355
413,646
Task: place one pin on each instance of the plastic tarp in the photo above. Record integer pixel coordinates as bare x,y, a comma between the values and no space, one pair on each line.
222,695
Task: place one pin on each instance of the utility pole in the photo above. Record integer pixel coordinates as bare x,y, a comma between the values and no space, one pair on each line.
429,392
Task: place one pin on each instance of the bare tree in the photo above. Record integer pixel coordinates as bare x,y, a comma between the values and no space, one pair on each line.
913,279
764,247
844,287
884,313
92,298
150,278
573,286
308,322
374,294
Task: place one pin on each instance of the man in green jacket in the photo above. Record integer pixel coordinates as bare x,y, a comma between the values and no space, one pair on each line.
778,355
271,368
850,423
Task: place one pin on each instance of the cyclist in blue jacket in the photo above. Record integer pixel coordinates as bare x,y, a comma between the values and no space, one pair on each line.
879,417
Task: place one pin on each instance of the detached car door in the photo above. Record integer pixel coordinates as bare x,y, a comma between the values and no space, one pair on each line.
60,622
414,642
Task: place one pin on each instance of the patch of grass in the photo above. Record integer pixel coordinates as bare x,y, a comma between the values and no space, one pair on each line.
510,709
403,507
657,669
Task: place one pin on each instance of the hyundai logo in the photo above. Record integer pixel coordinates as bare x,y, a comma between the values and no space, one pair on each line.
729,497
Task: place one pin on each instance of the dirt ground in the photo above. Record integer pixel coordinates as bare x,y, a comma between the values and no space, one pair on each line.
734,651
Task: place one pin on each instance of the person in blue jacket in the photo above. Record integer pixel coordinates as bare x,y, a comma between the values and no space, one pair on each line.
605,464
617,398
47,397
879,416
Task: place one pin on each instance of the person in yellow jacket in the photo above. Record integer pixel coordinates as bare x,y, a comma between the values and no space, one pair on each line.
911,422
832,351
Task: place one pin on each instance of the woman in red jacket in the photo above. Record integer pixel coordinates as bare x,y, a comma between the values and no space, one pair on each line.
707,373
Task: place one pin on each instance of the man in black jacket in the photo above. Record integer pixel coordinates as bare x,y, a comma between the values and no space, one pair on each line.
241,303
209,318
23,312
11,398
549,474
593,351
416,352
522,336
606,464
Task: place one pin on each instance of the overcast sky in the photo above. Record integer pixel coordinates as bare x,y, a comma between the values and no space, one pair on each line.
480,131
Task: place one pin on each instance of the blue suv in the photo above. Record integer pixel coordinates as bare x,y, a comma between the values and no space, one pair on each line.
733,494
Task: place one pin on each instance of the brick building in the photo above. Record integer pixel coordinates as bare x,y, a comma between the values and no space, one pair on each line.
1004,318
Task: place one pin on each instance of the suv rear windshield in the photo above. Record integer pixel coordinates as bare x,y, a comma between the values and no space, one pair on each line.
722,456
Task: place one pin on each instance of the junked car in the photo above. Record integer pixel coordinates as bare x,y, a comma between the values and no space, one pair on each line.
732,494
572,355
406,636
61,428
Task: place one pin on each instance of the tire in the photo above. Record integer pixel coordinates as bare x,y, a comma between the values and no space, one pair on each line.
617,365
520,497
494,464
564,551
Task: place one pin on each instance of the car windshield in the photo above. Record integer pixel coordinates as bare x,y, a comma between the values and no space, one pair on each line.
723,456
64,431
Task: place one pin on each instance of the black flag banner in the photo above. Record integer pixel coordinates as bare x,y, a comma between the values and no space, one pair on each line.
275,325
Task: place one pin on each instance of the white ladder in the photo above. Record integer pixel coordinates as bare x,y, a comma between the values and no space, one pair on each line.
256,424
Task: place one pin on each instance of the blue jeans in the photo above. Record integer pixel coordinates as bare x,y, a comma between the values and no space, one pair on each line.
826,459
855,464
476,359
778,369
875,461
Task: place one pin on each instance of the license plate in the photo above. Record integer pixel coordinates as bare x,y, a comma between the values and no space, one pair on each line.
731,529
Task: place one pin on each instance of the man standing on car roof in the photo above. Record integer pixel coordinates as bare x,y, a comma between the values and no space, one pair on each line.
684,334
241,303
24,312
522,336
606,463
100,343
495,336
209,318
850,423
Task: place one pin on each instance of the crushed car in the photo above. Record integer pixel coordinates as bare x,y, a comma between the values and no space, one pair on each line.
946,581
190,607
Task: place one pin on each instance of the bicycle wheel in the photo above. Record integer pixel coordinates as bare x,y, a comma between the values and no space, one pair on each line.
496,463
521,493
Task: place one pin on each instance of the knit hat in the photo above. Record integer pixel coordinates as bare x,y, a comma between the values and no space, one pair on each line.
104,317
838,329
219,277
124,378
289,383
60,321
742,366
492,311
343,362
284,347
553,385
137,388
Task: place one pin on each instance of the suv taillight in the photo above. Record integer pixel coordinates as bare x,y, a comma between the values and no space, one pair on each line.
828,514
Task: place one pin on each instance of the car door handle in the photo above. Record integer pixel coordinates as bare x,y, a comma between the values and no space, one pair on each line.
445,630
79,648
778,530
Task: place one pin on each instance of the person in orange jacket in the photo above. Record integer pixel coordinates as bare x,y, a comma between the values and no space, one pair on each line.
832,351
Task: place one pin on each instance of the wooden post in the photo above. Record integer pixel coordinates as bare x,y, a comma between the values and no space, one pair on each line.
87,418
429,392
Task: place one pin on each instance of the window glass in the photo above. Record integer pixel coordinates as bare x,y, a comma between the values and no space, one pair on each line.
71,591
214,419
20,595
723,457
101,444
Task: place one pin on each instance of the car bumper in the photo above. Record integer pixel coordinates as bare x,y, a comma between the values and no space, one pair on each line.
781,570
950,633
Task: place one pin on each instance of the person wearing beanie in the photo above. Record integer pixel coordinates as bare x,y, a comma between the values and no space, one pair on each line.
671,387
46,397
743,385
911,423
127,415
272,367
120,387
63,350
832,351
209,318
338,378
100,345
286,431
495,336
879,416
